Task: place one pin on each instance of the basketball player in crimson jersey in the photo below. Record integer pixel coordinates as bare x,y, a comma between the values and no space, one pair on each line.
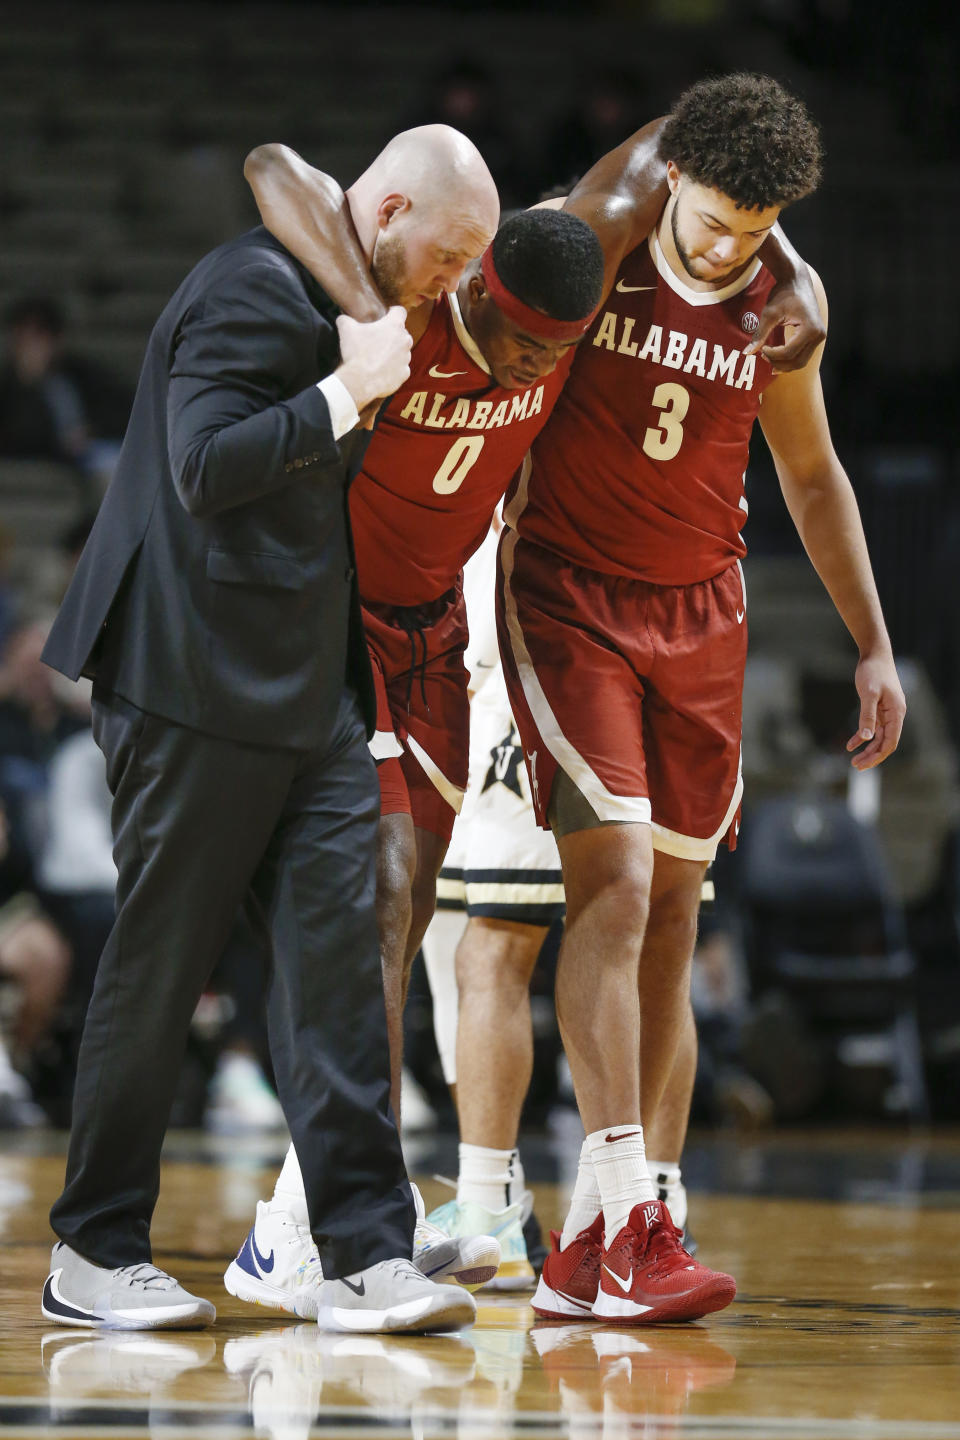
297,203
622,618
486,369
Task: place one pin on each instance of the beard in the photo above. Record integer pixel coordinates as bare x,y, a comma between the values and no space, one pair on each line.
688,263
389,267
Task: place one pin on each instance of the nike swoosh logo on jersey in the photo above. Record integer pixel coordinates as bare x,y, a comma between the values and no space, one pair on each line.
53,1302
265,1265
625,1285
445,374
740,615
628,289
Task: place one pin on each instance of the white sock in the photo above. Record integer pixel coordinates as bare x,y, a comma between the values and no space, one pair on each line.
618,1158
439,949
670,1189
585,1202
288,1193
518,1181
485,1176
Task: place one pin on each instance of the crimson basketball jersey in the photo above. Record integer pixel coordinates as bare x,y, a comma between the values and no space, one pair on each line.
640,471
443,453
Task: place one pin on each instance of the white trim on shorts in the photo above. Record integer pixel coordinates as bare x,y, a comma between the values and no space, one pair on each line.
688,847
450,792
607,806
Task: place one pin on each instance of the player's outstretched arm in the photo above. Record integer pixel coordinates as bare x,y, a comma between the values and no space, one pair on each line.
308,212
792,303
622,196
821,502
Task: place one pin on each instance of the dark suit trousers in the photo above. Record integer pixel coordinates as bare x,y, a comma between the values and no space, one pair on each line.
199,823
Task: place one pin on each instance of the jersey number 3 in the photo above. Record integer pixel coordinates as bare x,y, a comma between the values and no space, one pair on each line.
662,441
457,463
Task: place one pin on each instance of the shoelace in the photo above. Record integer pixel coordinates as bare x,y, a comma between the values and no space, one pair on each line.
145,1275
661,1242
307,1270
405,1270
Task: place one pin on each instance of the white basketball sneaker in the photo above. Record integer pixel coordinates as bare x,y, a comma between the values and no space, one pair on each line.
469,1260
278,1261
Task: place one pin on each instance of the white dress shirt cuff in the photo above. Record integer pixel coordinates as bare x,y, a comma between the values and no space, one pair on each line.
343,412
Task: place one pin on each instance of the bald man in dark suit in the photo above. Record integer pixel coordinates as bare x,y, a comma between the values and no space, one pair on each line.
215,608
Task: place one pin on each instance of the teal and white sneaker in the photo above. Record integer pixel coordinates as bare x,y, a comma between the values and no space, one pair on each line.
505,1226
469,1260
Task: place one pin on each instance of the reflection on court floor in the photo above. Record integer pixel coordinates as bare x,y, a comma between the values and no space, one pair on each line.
846,1324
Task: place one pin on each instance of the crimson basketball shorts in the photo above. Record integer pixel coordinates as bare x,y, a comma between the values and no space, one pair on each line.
500,863
423,715
634,690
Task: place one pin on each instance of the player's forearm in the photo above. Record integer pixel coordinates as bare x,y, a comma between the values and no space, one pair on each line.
782,260
622,195
308,213
828,522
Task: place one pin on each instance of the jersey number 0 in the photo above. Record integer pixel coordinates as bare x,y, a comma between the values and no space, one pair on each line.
457,463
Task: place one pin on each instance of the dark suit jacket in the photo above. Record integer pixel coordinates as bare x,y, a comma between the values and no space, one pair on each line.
217,586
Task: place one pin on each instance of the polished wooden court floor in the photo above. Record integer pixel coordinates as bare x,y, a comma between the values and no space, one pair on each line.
846,1248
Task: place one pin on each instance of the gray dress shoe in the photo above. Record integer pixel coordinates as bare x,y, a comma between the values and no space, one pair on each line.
390,1296
133,1297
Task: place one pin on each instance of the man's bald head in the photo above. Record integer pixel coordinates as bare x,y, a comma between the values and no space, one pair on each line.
424,208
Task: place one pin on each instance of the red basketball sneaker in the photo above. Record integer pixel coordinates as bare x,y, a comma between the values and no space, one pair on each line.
570,1278
647,1277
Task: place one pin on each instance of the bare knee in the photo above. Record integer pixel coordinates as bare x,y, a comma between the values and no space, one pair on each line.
619,903
607,871
423,902
674,907
497,955
396,868
431,849
672,924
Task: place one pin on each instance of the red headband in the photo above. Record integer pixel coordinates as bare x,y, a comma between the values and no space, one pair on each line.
533,320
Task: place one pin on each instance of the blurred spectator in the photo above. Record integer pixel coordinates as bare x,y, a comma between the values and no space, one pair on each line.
612,105
34,966
465,94
76,876
55,404
8,595
35,957
719,990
